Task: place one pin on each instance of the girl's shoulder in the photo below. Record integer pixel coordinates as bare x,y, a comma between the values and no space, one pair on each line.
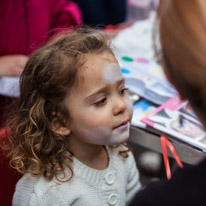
32,187
119,149
121,152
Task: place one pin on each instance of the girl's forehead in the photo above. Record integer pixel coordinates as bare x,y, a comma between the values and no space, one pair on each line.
99,69
111,72
102,65
94,62
100,58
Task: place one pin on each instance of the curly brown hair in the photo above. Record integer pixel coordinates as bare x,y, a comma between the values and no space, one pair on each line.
50,74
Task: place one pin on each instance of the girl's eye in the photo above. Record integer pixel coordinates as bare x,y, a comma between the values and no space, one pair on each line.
122,91
101,102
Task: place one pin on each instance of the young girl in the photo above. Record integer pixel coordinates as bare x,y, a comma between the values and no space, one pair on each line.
73,115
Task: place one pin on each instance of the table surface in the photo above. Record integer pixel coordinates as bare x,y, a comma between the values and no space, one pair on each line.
186,153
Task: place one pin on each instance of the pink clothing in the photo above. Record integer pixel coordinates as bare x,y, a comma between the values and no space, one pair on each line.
25,24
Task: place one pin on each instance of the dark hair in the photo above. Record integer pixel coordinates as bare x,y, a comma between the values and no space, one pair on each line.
50,74
182,32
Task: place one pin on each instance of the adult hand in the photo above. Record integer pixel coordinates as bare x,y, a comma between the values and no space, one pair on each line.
12,65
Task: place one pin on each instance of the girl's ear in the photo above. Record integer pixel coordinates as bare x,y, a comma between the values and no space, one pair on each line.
58,128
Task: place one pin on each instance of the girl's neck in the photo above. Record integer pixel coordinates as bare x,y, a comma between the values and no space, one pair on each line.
94,156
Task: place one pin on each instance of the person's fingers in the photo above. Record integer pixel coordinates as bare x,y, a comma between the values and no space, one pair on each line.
18,68
22,60
12,65
12,71
16,71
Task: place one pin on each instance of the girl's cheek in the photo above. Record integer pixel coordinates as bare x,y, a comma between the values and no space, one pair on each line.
99,135
129,106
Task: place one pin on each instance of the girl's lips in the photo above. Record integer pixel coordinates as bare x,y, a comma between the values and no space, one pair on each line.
122,125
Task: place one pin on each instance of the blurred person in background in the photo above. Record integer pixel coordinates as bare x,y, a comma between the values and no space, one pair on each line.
25,25
102,12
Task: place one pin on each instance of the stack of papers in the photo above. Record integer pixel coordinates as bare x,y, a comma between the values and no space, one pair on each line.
177,119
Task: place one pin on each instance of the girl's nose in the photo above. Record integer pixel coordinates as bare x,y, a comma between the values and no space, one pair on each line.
119,106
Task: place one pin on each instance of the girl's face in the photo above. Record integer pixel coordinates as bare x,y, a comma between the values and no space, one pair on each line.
99,107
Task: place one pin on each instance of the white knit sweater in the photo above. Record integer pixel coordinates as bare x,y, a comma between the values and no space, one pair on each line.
115,185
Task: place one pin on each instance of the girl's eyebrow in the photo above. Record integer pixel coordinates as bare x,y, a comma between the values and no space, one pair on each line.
104,88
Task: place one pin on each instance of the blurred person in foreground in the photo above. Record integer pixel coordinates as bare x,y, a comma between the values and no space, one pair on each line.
182,32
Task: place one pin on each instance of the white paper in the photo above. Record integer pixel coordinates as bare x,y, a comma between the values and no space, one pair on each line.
9,86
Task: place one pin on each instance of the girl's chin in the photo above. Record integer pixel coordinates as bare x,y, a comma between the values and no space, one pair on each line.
123,140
